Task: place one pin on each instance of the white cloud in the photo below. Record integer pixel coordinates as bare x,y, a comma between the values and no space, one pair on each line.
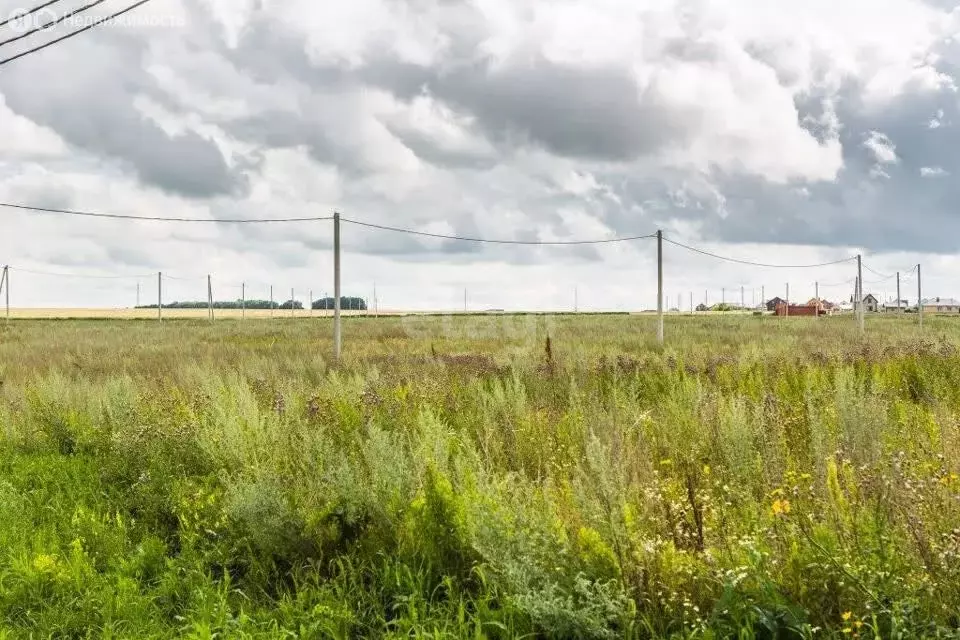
883,149
932,172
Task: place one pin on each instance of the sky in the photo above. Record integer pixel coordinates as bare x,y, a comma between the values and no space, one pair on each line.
770,132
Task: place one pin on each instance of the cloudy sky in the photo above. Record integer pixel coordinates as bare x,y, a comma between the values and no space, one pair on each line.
774,132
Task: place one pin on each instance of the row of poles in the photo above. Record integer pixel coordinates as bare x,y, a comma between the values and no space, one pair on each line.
337,333
858,293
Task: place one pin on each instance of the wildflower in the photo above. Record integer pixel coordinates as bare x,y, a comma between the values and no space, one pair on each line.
846,615
780,507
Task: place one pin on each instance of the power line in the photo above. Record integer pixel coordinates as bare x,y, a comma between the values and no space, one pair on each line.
77,275
494,241
52,23
759,264
120,216
19,16
73,33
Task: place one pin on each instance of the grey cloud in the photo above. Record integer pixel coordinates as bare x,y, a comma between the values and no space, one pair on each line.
91,107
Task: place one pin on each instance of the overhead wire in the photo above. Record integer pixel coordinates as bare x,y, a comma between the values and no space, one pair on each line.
21,15
58,20
76,275
758,264
442,236
123,216
67,36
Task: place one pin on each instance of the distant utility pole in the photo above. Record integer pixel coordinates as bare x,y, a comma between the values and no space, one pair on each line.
243,300
816,290
292,306
310,301
660,286
576,301
787,302
898,293
5,287
860,284
159,296
691,303
336,286
743,299
271,301
210,297
706,299
919,298
376,303
464,300
723,295
763,295
138,294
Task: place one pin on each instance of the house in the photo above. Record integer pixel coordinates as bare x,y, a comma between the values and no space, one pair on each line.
825,305
893,307
783,309
870,303
772,304
941,305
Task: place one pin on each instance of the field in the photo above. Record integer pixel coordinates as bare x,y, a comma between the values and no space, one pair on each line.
482,477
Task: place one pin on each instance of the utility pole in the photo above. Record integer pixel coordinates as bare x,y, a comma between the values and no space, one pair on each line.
138,294
816,289
723,295
336,285
576,301
271,301
787,302
159,296
763,296
860,285
660,286
5,287
310,302
919,298
706,299
209,298
243,300
898,293
376,304
464,300
292,306
743,299
691,303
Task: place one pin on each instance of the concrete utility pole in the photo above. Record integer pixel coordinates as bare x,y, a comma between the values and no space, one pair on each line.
743,299
691,303
464,300
159,296
787,302
706,299
898,293
243,300
763,296
660,286
5,287
723,295
576,301
310,302
210,298
138,294
336,285
376,304
816,293
860,284
919,298
271,301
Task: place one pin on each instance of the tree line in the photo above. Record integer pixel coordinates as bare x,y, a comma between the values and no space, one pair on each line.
347,303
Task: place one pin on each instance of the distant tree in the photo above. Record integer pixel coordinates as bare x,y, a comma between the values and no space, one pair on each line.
346,303
702,307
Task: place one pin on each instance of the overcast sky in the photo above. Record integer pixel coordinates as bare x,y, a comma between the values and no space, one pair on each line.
800,132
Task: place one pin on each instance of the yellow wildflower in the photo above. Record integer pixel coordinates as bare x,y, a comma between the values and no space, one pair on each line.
780,507
846,615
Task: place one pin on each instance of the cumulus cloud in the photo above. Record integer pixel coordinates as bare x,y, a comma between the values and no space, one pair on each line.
733,122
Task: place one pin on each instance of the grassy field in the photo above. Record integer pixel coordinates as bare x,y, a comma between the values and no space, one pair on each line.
482,477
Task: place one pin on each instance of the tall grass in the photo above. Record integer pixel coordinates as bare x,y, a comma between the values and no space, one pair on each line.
555,477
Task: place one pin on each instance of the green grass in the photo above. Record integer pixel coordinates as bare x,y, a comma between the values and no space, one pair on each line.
481,477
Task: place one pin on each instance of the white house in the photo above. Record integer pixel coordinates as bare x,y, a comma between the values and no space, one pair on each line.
891,307
941,305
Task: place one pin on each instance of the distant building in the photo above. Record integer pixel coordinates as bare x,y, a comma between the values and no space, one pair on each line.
824,305
772,304
941,305
870,303
783,309
892,307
